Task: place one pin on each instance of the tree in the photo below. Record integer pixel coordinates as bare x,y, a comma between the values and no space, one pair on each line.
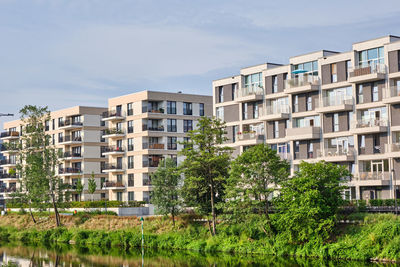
166,181
253,178
79,188
309,202
37,163
205,167
92,185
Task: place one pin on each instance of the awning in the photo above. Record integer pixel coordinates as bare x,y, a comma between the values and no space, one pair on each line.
298,71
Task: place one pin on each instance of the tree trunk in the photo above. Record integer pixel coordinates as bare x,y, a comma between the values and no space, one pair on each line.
56,211
173,216
209,226
30,211
213,210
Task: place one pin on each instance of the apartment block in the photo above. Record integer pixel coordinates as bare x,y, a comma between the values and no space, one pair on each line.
340,107
76,133
143,128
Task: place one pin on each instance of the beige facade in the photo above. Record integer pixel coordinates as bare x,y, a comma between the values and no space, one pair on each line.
142,129
338,107
76,133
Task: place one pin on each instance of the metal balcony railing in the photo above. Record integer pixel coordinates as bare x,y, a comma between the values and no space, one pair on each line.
110,149
113,131
113,184
10,189
69,170
159,128
70,154
146,145
110,166
69,138
8,162
112,113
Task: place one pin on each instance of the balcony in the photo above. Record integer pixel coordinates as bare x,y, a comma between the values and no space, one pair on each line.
10,189
69,171
334,104
159,128
152,161
113,150
393,150
391,95
306,156
70,124
249,138
303,133
146,182
113,115
367,126
69,155
112,168
146,145
9,148
8,163
68,139
276,112
153,109
8,176
337,154
114,185
371,179
250,93
9,135
302,84
113,133
373,72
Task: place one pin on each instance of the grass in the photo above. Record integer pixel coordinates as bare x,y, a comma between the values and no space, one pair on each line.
377,237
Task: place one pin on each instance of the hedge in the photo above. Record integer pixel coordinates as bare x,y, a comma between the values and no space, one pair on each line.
82,204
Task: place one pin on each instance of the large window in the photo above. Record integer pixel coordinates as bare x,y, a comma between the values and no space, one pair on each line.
253,81
334,72
130,144
130,126
234,90
187,108
220,113
171,107
371,57
220,94
171,125
274,84
171,143
244,111
375,92
296,103
130,162
131,196
308,68
129,108
276,129
309,103
131,180
187,125
360,94
307,122
338,96
335,122
201,109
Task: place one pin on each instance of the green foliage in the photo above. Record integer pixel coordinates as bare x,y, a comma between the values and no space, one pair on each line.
92,185
79,188
166,181
83,204
252,181
309,202
205,167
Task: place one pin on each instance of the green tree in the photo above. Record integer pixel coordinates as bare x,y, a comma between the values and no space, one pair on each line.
253,178
79,188
309,202
205,167
37,163
92,185
166,181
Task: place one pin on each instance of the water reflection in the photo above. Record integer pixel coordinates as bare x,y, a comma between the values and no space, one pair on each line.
73,256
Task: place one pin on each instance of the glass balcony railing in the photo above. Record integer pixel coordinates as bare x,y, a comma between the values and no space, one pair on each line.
337,101
253,89
277,109
363,123
303,81
9,134
368,69
364,176
393,91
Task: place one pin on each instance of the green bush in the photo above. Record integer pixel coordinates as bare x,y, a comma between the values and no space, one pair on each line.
82,204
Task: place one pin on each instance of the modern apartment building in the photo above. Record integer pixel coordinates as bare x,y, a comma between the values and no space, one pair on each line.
341,107
142,129
76,133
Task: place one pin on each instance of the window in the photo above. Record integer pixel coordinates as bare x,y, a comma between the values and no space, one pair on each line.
274,84
76,151
234,90
348,68
296,103
309,103
235,130
129,108
171,125
244,111
334,72
53,124
284,80
131,180
187,125
310,150
220,94
349,119
360,94
308,68
296,149
131,196
119,110
130,162
187,108
375,92
362,141
60,137
253,82
171,107
201,109
130,144
119,196
377,143
47,125
119,163
255,110
76,136
371,57
171,143
102,139
53,139
335,122
220,113
186,141
130,126
118,126
276,129
60,122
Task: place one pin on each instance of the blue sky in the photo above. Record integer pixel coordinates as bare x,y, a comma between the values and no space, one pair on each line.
63,53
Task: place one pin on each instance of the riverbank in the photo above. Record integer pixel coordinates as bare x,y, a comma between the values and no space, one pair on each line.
376,238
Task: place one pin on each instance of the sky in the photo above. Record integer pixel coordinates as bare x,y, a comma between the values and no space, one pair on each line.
63,53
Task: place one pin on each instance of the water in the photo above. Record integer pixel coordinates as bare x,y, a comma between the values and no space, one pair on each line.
28,256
